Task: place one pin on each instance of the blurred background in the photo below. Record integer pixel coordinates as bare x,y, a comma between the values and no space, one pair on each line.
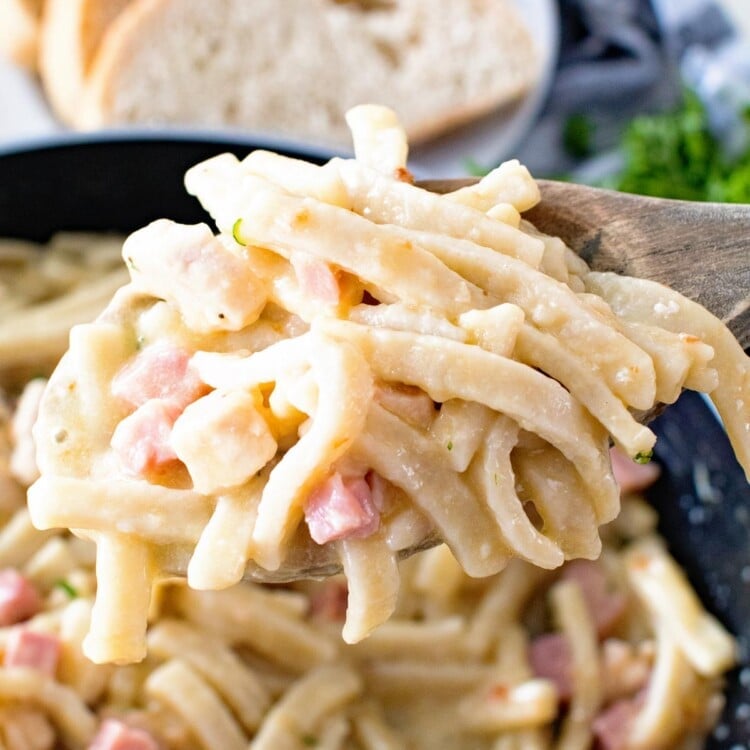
649,96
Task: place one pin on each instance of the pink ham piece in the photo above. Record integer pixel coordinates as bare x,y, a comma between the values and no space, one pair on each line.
40,651
160,371
408,402
328,602
19,600
551,658
631,476
612,726
340,508
316,278
114,735
141,441
606,607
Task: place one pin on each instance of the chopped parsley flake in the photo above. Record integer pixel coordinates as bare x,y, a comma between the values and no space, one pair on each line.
643,457
71,591
578,135
474,168
309,740
450,445
236,229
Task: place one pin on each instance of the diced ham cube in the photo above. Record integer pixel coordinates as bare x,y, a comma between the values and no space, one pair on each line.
19,600
160,371
605,606
408,402
341,508
612,726
223,440
631,476
328,601
142,440
316,278
115,735
551,658
40,651
204,277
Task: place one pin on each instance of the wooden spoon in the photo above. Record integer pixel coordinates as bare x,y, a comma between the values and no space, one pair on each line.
701,250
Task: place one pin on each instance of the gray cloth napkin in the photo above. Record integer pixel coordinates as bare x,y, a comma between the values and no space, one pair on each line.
622,57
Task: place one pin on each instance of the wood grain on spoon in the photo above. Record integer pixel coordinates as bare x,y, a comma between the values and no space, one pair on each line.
701,250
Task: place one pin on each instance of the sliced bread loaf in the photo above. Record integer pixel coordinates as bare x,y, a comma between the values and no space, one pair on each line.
19,30
70,37
295,66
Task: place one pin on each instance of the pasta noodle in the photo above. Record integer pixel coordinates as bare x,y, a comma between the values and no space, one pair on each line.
350,367
407,324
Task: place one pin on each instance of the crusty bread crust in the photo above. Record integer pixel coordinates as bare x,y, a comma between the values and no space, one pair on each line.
19,30
71,34
439,63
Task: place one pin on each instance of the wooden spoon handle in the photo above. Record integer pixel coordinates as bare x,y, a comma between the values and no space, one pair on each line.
701,250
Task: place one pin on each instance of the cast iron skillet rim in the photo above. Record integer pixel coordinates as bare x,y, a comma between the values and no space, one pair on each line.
234,139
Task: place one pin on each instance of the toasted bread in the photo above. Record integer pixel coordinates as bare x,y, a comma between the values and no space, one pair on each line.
294,67
71,33
19,30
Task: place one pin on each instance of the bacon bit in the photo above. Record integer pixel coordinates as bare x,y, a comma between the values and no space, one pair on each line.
640,561
301,218
40,651
316,278
115,735
402,174
605,607
499,692
19,600
160,371
341,508
551,658
612,727
328,602
631,476
142,440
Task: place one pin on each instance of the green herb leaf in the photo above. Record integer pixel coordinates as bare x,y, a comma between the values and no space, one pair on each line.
675,155
450,445
474,168
643,457
309,740
70,590
236,232
578,136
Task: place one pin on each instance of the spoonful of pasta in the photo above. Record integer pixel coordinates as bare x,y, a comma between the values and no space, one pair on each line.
356,367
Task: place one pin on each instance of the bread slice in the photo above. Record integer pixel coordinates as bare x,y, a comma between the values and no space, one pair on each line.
70,37
294,67
19,30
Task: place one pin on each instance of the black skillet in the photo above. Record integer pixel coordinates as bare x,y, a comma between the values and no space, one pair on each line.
120,184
